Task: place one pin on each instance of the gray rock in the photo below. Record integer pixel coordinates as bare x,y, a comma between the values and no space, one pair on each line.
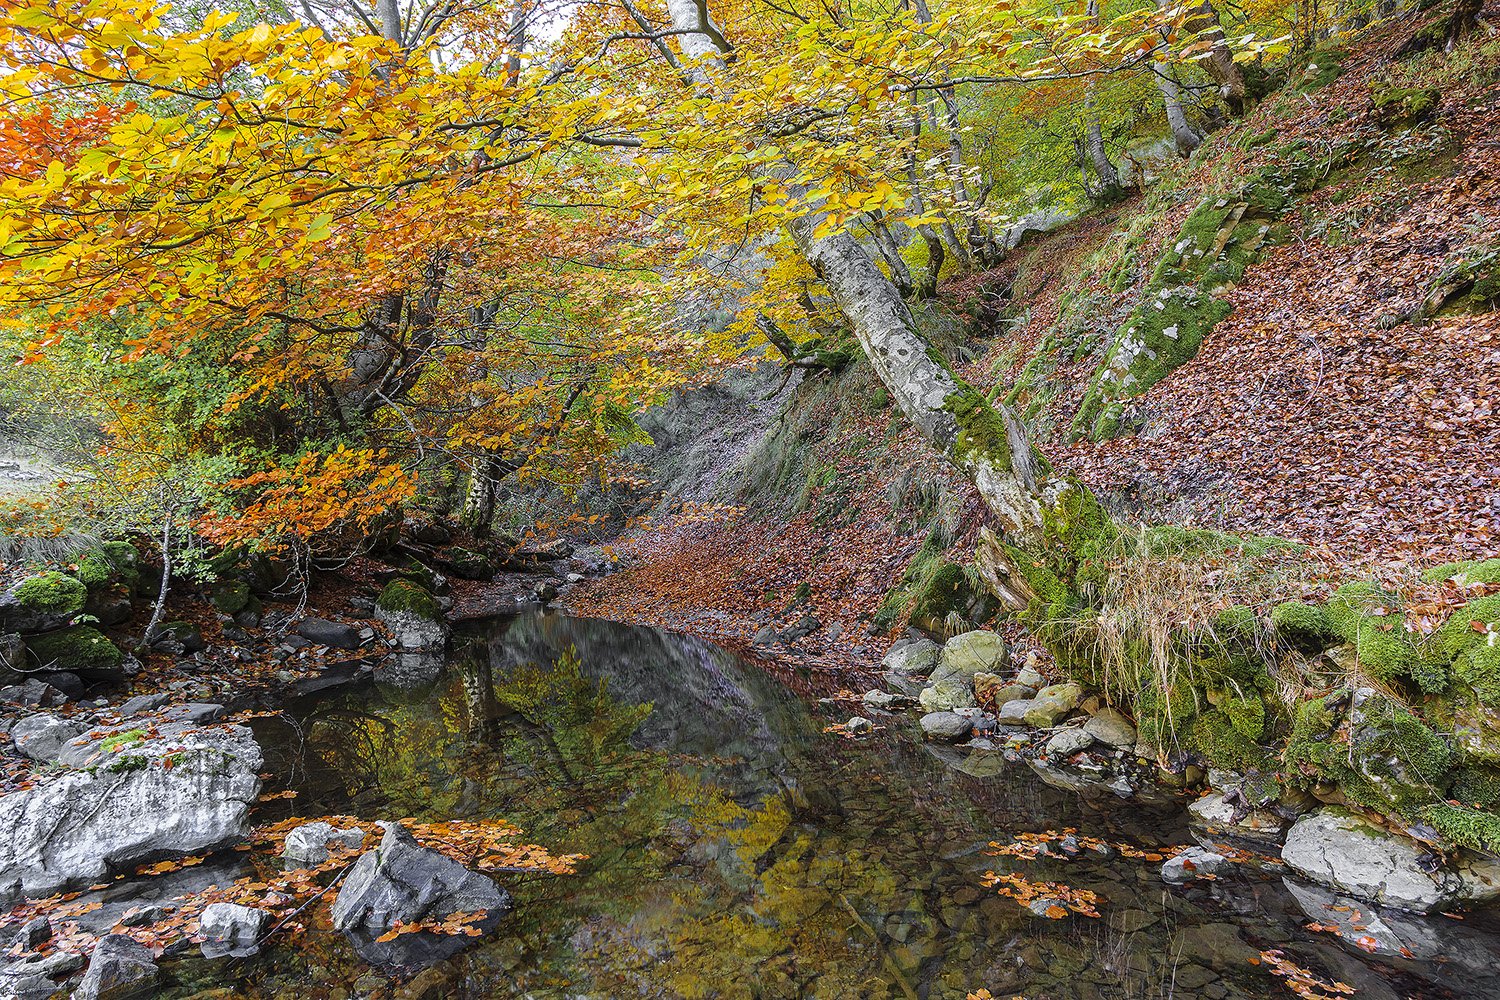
327,633
1031,677
859,725
232,929
308,843
980,651
33,693
912,657
1195,862
192,712
1067,742
1335,848
413,633
12,657
950,727
118,968
142,703
1212,817
34,977
1053,703
883,700
70,828
1110,726
402,881
1013,713
41,737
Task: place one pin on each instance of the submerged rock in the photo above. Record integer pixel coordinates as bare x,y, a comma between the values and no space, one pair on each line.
1335,848
1195,862
1213,817
230,929
118,968
401,881
124,798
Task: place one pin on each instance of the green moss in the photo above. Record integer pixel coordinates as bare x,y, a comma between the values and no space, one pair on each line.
51,593
1479,668
406,595
1366,616
1246,715
1237,622
108,564
1215,735
1459,633
127,762
1400,105
1472,828
231,596
78,648
1476,785
1323,67
130,736
1389,760
1305,626
981,431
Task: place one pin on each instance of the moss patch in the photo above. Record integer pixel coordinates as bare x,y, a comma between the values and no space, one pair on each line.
1304,626
406,595
1476,571
78,648
51,593
1473,828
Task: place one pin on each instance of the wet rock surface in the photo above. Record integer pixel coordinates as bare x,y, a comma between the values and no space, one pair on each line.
401,881
1337,849
125,794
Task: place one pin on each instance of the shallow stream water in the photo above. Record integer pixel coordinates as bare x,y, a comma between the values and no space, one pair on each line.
737,850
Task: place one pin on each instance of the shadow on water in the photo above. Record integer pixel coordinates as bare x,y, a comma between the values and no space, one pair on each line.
738,851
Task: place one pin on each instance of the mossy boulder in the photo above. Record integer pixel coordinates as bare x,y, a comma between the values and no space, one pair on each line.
1371,620
1304,626
232,596
470,564
78,649
402,595
110,565
1373,748
1405,105
51,593
1465,573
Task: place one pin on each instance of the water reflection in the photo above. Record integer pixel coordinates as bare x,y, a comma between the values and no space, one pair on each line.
737,851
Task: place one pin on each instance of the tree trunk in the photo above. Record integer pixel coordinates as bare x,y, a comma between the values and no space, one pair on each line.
1184,135
1201,21
890,252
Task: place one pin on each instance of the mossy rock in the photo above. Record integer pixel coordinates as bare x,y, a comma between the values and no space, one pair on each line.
1476,785
1370,619
51,593
231,596
1476,829
1237,622
1380,755
1304,626
1323,67
79,649
1405,105
1465,573
108,565
1215,735
469,563
401,595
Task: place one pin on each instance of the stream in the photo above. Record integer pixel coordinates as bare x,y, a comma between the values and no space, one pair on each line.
737,850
